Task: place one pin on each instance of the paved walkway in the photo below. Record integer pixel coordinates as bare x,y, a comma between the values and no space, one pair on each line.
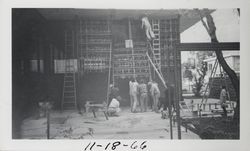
70,124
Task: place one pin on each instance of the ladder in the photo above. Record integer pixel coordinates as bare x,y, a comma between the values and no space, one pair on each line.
69,84
208,86
156,43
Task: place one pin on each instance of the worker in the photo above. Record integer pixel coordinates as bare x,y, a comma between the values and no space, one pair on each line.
223,99
150,98
167,103
146,25
143,93
155,93
133,92
114,92
114,107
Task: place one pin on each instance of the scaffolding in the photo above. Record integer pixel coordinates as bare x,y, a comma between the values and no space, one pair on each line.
95,45
171,61
96,53
127,64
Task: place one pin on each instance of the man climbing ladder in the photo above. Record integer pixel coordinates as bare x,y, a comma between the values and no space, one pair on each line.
150,36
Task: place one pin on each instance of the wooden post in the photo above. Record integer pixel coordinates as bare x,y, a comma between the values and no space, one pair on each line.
93,110
48,122
110,61
132,49
186,127
168,91
177,77
105,114
199,109
38,54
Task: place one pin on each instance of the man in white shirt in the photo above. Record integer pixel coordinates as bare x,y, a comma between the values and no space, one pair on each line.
148,29
143,91
133,92
114,107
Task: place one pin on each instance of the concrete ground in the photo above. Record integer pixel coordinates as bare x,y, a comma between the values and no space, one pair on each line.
71,125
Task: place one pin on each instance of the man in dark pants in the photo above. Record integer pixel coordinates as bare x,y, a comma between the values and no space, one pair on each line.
223,99
150,98
168,101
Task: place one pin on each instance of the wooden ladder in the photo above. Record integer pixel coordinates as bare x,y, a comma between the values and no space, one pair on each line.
156,42
69,83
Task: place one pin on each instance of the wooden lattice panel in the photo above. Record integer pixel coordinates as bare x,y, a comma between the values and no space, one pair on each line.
94,45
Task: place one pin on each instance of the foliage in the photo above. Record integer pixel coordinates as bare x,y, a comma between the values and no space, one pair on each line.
199,78
211,29
188,74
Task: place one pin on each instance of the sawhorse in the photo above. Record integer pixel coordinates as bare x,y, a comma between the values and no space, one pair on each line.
96,107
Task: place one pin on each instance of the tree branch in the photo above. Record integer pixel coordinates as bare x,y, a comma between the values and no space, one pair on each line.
232,75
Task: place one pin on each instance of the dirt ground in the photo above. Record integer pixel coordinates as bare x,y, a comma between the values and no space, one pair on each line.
71,125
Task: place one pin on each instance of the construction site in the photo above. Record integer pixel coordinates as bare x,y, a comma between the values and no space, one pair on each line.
64,61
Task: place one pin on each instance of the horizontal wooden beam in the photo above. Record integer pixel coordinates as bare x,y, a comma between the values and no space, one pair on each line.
224,46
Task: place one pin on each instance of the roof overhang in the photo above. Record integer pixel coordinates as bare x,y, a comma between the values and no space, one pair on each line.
188,17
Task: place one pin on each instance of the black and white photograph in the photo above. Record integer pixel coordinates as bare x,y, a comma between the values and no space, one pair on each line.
113,73
124,76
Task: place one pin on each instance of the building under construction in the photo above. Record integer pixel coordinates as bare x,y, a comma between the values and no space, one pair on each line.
70,56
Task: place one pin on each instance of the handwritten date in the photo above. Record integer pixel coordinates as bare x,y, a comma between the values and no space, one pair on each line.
92,146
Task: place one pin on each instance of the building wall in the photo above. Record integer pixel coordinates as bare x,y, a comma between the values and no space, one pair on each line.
32,66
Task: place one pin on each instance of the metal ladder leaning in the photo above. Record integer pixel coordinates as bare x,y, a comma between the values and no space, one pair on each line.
69,83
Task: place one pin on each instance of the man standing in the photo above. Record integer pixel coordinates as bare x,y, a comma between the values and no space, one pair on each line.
155,93
133,86
150,97
142,88
223,98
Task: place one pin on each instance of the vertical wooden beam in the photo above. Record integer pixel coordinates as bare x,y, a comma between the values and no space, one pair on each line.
180,75
132,49
129,30
46,57
177,76
38,54
48,122
109,74
169,89
51,66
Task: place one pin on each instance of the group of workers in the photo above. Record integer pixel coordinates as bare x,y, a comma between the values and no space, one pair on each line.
140,94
